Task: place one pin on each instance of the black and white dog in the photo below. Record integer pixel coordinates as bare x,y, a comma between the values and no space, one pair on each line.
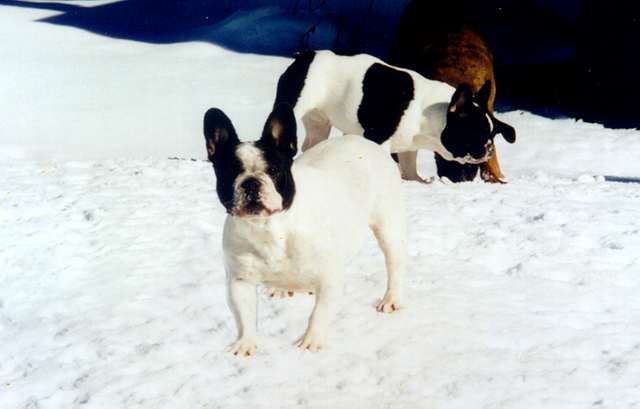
292,224
362,95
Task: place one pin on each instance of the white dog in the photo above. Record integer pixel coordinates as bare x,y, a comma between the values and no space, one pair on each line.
292,224
362,95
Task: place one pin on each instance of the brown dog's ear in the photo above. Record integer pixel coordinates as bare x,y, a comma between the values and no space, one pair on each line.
483,95
280,130
460,98
219,133
507,131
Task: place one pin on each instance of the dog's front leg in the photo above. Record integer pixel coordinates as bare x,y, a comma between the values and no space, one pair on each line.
315,336
390,234
242,300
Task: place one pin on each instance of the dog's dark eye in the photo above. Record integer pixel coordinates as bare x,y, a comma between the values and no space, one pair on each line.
272,170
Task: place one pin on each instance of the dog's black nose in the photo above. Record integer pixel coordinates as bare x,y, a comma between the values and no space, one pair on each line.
251,187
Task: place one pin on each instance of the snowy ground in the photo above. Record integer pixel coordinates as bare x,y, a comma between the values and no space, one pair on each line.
112,290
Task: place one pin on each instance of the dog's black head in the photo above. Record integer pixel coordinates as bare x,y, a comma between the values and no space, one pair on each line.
253,178
470,128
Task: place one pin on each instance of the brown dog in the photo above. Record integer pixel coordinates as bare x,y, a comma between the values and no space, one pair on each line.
435,43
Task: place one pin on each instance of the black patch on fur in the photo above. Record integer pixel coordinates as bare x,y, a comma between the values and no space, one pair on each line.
280,130
221,141
279,145
386,94
455,171
292,80
279,170
219,133
227,167
507,131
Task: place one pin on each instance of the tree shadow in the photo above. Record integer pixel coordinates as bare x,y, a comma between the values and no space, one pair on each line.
281,28
152,21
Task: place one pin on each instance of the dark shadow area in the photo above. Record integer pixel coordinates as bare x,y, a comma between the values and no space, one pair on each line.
622,179
573,58
153,21
591,69
264,27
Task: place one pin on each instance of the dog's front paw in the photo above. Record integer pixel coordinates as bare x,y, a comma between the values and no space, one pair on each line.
311,341
490,177
388,304
243,347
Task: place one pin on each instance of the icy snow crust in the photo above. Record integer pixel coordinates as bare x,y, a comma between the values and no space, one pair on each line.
112,291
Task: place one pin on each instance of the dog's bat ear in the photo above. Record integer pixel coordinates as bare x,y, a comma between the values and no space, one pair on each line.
483,95
507,131
280,130
460,98
219,133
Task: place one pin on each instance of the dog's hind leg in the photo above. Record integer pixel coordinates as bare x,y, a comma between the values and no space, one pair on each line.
317,126
408,166
315,336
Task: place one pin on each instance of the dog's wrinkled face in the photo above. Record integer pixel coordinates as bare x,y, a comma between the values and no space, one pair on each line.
253,178
470,127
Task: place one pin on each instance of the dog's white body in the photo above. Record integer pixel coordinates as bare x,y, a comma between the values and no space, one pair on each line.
333,92
344,186
334,87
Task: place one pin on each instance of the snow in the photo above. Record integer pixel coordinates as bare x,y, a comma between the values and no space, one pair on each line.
112,289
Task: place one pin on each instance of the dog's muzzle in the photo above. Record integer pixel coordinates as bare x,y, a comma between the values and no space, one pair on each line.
251,189
249,200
